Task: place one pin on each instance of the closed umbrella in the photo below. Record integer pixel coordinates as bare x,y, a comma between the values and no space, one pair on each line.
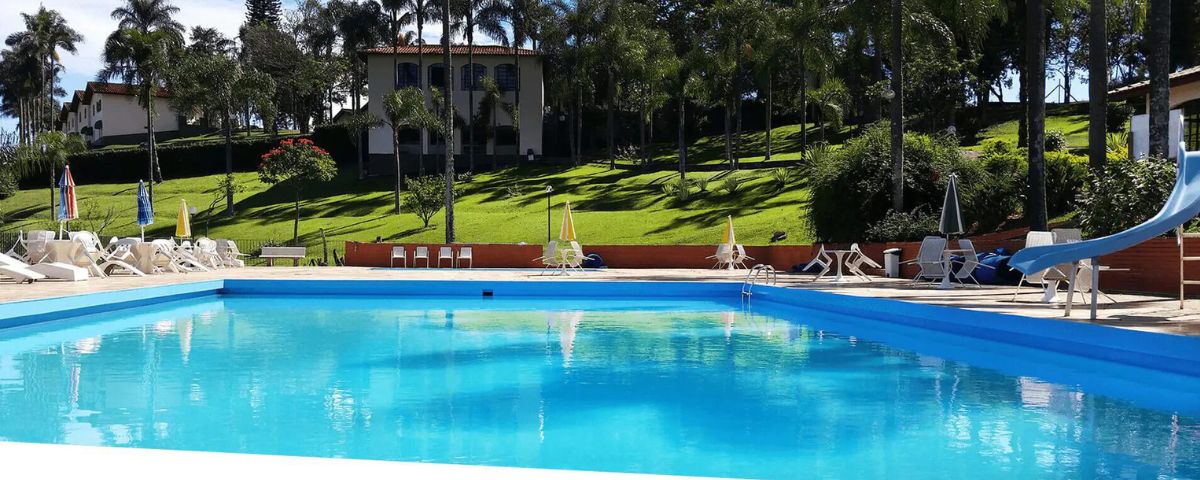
729,238
68,209
567,232
145,209
183,223
951,223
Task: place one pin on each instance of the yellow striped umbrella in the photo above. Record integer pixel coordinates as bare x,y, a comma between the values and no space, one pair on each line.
567,232
183,223
729,237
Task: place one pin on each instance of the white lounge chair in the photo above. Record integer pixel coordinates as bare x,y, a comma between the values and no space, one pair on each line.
1035,239
857,260
35,242
821,259
445,253
230,255
464,253
102,262
421,253
205,250
740,257
929,259
573,257
549,256
55,270
19,249
398,252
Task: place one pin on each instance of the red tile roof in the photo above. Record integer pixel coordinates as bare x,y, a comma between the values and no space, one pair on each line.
455,50
1140,89
120,89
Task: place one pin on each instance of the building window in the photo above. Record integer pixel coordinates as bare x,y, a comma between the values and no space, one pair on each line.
506,77
472,76
437,75
408,75
97,106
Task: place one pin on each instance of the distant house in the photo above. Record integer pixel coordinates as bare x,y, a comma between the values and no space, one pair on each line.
109,114
490,61
1184,98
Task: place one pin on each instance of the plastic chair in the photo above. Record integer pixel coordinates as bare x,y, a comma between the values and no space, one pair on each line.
398,252
464,253
446,253
421,253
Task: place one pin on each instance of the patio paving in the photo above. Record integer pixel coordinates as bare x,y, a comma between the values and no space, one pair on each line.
1140,312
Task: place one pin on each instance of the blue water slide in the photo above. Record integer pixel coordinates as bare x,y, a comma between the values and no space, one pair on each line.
1181,206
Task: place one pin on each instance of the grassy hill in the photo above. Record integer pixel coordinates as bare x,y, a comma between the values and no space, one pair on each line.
508,206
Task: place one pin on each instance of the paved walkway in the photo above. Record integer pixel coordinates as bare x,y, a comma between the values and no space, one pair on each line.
1158,314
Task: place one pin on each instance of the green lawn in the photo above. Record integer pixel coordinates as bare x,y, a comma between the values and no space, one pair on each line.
611,207
1075,127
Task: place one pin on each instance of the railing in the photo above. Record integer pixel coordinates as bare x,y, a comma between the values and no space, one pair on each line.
766,273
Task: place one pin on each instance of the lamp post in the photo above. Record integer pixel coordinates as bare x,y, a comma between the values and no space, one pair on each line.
549,190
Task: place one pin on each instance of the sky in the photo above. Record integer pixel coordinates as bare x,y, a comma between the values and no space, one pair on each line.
91,19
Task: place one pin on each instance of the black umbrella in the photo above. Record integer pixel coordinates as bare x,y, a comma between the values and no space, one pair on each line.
951,223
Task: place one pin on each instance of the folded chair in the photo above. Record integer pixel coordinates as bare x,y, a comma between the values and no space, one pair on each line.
740,256
857,260
103,262
723,257
821,259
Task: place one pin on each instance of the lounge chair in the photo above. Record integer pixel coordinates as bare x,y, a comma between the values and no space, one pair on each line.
929,259
740,257
398,252
446,253
821,259
99,261
549,256
35,244
464,253
1052,274
857,260
573,257
421,253
970,263
230,256
55,270
205,250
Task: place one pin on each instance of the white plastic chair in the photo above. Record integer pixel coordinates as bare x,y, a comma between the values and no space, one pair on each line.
857,260
398,252
821,259
230,255
1036,239
970,263
421,253
447,254
929,259
573,257
740,257
549,256
464,253
723,257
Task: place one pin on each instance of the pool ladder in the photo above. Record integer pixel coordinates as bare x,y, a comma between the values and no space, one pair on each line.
765,273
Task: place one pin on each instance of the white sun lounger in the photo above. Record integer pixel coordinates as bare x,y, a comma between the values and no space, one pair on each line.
55,270
20,274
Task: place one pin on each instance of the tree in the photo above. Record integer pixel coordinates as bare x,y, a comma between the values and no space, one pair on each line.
1158,40
829,100
489,106
45,33
1035,49
361,25
1097,85
263,12
486,16
422,12
424,196
210,41
897,58
49,153
21,83
296,165
446,126
137,53
405,108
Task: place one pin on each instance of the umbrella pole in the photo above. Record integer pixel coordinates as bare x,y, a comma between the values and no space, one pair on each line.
143,229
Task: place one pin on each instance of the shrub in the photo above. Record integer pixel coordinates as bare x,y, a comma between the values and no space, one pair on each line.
296,164
1056,141
903,226
1002,191
669,186
120,165
425,196
701,182
1128,193
1065,176
683,190
852,187
782,177
731,183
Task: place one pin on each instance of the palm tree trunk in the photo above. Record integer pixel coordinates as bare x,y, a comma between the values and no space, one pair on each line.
396,154
53,213
296,221
448,121
803,108
728,132
875,103
1023,101
1159,36
579,125
642,138
471,97
228,159
612,95
770,104
424,82
517,95
1035,33
898,106
150,153
1097,86
682,139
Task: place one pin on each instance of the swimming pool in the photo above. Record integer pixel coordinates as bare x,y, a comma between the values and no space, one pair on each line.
636,377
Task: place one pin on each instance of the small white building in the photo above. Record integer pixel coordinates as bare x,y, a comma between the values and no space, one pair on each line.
490,61
1184,101
109,114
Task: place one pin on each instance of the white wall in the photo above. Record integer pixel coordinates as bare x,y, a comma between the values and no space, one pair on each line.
122,115
380,77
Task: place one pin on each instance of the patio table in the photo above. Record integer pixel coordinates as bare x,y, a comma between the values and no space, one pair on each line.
839,259
947,267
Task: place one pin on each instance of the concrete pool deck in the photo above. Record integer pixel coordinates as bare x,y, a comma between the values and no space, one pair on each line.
1138,312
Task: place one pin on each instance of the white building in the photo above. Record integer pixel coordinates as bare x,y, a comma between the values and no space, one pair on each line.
490,61
109,113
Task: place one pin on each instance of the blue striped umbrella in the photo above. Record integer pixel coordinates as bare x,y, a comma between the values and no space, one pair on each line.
145,209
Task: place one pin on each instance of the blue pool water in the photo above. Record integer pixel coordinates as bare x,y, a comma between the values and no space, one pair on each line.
696,387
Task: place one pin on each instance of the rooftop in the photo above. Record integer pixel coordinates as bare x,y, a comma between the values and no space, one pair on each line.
454,50
1139,89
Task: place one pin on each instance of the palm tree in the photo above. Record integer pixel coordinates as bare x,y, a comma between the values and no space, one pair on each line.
46,31
395,37
897,58
137,54
447,124
21,75
486,16
1097,85
210,41
1035,66
404,108
812,47
361,25
421,11
1158,42
524,18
